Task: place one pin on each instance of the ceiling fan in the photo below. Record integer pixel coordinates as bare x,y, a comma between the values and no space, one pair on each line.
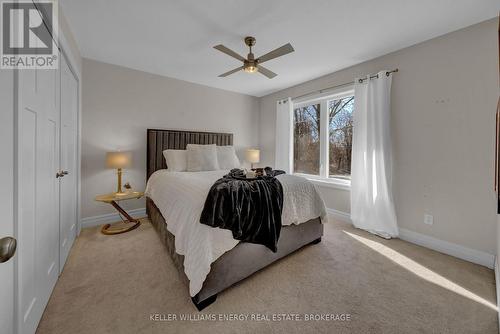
252,65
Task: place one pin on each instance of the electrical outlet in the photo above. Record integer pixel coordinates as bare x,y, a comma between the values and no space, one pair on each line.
428,219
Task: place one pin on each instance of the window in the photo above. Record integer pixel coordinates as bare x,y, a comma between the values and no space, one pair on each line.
306,139
340,136
322,136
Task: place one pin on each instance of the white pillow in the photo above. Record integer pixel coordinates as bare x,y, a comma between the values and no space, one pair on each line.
226,156
201,158
176,160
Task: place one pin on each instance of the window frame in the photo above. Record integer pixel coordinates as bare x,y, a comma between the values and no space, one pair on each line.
323,178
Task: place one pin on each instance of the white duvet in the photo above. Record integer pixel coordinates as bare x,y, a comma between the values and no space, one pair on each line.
180,197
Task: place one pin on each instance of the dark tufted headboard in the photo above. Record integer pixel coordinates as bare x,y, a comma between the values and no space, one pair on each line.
160,140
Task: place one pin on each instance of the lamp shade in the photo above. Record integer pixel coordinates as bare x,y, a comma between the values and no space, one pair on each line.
118,159
252,156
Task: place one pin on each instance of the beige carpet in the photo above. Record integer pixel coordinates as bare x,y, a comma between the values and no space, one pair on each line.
112,284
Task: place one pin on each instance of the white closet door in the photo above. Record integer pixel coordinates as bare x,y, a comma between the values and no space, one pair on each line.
38,193
7,197
68,185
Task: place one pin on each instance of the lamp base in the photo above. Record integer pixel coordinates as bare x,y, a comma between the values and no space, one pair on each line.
119,191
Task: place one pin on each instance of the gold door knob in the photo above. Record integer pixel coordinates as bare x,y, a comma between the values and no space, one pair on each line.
7,248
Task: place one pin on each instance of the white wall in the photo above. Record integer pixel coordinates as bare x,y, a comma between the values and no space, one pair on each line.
72,45
119,104
443,118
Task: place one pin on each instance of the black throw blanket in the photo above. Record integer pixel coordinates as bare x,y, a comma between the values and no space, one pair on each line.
250,208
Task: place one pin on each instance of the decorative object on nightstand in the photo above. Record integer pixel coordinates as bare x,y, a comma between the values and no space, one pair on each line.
112,199
252,156
128,188
118,161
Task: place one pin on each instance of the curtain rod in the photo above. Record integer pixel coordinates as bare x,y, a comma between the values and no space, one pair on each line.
373,76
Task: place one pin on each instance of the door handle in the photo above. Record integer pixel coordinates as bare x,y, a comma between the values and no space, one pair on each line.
61,173
7,248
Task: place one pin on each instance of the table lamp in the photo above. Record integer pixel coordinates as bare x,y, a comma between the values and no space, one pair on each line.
118,160
252,156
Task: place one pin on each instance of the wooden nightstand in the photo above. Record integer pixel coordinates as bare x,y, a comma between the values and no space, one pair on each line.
112,199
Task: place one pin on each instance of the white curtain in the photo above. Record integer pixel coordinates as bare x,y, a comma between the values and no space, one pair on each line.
283,152
372,204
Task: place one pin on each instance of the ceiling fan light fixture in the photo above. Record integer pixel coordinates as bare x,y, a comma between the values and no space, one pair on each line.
250,69
252,64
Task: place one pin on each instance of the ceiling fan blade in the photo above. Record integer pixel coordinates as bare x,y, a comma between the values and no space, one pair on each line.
229,52
281,51
230,72
266,72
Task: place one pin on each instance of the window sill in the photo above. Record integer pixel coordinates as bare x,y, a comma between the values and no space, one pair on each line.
328,182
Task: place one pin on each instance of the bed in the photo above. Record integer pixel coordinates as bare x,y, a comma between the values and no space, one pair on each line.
224,261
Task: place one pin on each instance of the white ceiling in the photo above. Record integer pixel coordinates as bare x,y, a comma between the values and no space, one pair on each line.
175,38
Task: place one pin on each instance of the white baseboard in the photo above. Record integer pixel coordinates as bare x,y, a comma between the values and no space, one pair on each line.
497,283
449,248
110,218
464,253
339,215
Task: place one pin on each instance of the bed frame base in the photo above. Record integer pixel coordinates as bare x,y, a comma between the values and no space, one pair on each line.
204,303
317,241
208,301
240,262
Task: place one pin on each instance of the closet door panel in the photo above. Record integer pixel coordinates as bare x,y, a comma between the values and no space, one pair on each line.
69,111
27,215
38,195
